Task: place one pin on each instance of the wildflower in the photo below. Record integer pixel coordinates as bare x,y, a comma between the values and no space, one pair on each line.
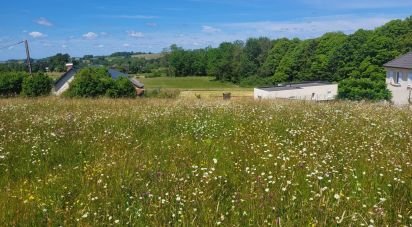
336,196
117,221
215,160
85,215
267,190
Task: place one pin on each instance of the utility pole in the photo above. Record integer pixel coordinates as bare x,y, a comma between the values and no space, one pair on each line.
28,56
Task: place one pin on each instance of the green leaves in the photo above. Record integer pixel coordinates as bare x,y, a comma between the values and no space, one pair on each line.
37,85
96,82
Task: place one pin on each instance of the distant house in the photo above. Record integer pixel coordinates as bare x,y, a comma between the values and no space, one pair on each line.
317,91
399,79
63,83
139,87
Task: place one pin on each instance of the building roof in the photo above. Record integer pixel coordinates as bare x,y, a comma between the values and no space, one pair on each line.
137,83
295,86
403,62
117,74
65,77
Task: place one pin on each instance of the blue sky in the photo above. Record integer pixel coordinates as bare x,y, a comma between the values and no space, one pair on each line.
106,26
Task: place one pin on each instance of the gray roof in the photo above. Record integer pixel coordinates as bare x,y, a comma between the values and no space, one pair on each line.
294,86
116,74
64,78
137,83
403,62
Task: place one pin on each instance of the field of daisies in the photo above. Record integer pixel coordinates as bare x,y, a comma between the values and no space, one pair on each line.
204,163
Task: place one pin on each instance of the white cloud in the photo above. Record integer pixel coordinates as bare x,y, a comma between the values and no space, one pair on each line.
90,35
210,29
37,35
308,27
135,34
126,45
43,21
100,46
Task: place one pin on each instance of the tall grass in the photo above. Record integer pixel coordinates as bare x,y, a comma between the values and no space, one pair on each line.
180,162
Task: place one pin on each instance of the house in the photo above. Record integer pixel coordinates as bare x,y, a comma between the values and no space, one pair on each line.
139,87
63,83
317,91
399,79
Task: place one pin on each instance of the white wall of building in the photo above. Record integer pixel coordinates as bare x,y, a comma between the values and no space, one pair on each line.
63,88
400,91
318,93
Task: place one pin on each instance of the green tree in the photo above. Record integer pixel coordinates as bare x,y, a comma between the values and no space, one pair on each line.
37,85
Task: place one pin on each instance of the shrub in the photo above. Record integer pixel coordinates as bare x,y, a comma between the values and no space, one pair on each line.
122,88
363,88
90,82
37,85
11,84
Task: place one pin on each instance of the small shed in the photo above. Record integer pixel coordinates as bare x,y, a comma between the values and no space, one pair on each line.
317,91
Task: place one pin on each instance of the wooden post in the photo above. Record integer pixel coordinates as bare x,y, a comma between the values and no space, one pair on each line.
227,96
28,56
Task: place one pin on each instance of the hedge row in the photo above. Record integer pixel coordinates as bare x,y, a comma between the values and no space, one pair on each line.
20,83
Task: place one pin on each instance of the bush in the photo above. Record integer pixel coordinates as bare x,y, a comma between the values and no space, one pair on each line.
122,88
90,82
37,85
11,84
96,82
363,89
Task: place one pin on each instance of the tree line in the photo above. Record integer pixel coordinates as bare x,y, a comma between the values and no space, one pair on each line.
353,60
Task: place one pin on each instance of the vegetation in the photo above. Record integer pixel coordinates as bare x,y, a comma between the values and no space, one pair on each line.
11,84
187,83
97,82
331,57
166,163
37,85
348,59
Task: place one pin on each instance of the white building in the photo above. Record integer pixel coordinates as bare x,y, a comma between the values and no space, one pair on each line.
317,91
399,79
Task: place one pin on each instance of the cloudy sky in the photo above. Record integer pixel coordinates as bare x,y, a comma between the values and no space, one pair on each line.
106,26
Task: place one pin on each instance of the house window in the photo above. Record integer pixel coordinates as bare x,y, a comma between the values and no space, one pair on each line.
397,76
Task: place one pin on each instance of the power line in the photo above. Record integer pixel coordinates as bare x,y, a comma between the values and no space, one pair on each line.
8,46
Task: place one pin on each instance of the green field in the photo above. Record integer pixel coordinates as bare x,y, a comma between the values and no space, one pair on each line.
188,83
153,162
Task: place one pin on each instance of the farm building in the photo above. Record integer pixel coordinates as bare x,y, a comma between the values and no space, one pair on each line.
63,83
317,91
399,79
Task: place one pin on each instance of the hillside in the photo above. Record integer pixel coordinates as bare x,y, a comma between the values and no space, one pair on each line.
164,162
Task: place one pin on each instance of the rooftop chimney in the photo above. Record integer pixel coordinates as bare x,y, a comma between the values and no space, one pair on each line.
69,66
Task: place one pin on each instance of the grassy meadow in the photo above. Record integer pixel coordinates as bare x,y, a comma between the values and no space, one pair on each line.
153,162
197,87
188,83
